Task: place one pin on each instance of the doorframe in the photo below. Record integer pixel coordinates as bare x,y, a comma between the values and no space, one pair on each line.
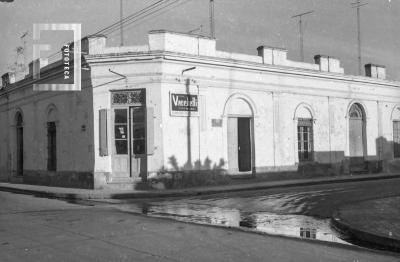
19,139
252,144
364,129
143,156
127,105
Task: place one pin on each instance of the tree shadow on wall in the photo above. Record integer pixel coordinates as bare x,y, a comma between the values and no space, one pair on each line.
190,175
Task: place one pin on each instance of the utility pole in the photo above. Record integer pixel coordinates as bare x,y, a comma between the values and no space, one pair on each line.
212,19
357,5
301,32
188,130
121,16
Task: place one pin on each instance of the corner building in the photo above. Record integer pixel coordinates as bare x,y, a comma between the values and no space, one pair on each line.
177,103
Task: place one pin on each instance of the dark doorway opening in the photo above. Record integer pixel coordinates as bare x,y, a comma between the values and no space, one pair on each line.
244,144
20,145
51,146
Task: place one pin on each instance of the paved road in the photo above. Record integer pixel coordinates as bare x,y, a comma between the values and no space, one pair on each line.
292,211
35,229
316,200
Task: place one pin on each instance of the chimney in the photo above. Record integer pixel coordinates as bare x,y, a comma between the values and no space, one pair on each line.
273,55
7,79
163,40
33,63
93,44
328,64
375,71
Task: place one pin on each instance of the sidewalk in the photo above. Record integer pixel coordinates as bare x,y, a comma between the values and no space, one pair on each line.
84,194
375,222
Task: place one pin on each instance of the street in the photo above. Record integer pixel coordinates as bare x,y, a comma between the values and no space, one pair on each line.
292,211
39,229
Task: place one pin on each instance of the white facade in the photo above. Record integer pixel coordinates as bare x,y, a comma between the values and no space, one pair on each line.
269,96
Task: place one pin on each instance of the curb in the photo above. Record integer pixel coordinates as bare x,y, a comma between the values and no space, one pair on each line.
364,237
180,193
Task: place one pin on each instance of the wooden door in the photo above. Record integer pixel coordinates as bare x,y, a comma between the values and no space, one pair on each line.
121,157
233,144
356,135
20,145
51,146
244,144
138,141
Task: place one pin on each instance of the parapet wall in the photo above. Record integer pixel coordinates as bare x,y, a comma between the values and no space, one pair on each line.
166,41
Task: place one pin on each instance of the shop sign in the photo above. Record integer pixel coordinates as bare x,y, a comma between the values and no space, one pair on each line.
135,97
216,122
184,105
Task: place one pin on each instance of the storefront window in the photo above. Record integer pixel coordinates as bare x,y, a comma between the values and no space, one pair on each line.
138,131
121,131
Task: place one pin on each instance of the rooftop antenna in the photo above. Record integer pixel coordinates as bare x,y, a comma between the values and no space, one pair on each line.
121,26
358,4
212,19
24,51
300,16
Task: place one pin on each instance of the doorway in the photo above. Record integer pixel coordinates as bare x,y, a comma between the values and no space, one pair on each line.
20,145
129,158
51,146
244,144
138,159
357,138
239,144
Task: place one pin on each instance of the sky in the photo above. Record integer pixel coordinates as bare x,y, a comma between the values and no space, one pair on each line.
241,26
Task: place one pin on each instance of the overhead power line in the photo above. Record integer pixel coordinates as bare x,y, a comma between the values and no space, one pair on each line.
111,28
121,15
133,15
159,11
160,7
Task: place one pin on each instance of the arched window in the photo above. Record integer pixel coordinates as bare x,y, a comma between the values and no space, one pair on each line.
305,134
356,112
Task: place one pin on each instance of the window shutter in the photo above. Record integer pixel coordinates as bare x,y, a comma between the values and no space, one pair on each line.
103,132
150,131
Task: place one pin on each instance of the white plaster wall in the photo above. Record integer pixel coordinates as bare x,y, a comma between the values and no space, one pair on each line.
74,146
338,128
139,76
174,129
275,97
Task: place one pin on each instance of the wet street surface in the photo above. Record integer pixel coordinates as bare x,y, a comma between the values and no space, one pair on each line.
302,212
41,229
